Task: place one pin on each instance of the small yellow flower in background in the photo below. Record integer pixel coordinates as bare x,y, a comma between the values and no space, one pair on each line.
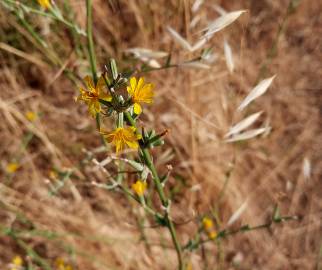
12,167
61,265
208,226
52,174
94,93
139,187
16,263
31,116
189,266
212,234
140,93
207,223
44,3
122,138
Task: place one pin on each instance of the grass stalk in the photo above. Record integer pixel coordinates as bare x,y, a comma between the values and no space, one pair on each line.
90,43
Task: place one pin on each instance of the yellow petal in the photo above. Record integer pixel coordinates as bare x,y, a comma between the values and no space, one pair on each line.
81,94
93,108
132,144
118,146
140,83
97,106
137,108
89,83
44,3
105,97
100,84
133,83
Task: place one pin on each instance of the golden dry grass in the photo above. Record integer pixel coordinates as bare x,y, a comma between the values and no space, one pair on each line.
97,229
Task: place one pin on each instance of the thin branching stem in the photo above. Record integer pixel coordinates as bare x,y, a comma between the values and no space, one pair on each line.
165,202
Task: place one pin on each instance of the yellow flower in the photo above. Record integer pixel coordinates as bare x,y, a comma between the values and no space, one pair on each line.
44,3
12,167
122,138
139,187
189,266
31,116
52,174
93,95
60,265
16,263
140,93
207,223
212,235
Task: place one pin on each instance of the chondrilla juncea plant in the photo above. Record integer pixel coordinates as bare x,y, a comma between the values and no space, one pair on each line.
122,97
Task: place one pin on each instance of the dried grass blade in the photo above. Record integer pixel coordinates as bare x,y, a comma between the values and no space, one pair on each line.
247,135
179,39
222,22
245,123
256,92
229,57
236,215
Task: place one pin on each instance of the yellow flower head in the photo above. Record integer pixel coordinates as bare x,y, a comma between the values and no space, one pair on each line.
139,187
31,116
12,167
122,138
207,223
212,235
44,3
189,266
140,93
17,261
60,265
93,95
52,174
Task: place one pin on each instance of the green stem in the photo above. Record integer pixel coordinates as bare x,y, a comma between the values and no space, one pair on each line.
120,120
224,233
90,42
165,203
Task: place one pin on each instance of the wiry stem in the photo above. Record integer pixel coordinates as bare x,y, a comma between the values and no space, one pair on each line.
165,203
90,43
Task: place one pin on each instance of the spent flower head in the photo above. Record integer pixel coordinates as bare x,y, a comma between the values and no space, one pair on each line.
140,93
122,138
139,187
93,95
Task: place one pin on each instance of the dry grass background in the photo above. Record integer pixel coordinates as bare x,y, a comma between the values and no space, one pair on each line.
96,229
